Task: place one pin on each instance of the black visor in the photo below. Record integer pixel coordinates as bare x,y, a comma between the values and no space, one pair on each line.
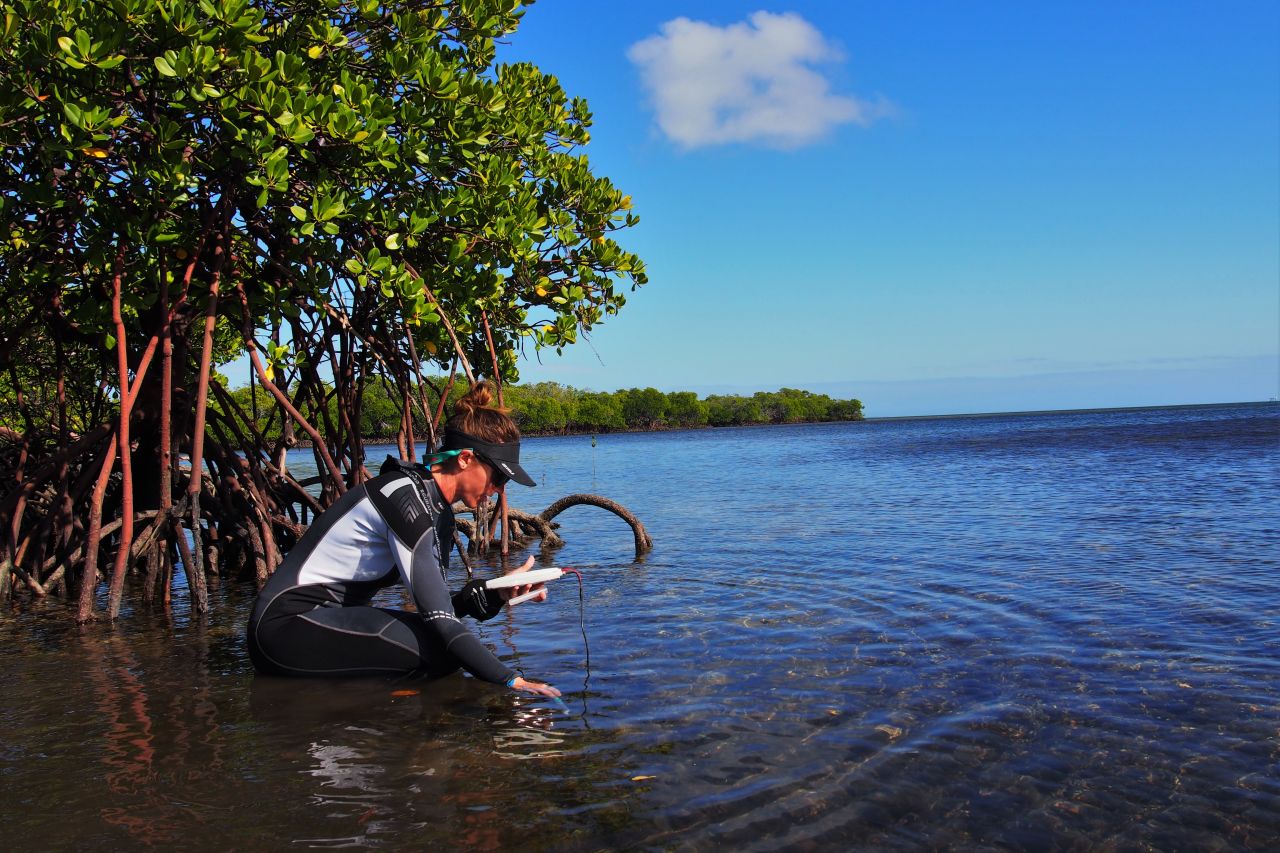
505,458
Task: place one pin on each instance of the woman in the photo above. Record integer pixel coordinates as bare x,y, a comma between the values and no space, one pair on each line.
314,618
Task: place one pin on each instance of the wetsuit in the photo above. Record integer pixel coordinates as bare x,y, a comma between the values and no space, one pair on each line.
314,617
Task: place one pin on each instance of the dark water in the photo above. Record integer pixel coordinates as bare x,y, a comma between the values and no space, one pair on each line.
1017,632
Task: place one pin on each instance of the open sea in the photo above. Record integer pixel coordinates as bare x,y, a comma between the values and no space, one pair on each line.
1053,631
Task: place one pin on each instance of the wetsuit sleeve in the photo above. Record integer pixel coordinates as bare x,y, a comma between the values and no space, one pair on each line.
477,602
437,610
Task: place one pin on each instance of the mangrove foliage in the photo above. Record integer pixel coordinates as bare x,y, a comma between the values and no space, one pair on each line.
549,408
351,193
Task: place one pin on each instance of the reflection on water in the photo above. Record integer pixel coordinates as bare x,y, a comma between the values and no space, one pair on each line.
1056,631
139,762
102,744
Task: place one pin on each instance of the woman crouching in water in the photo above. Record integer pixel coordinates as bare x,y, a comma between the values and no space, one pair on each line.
314,618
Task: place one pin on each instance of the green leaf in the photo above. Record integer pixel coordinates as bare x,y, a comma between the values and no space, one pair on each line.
464,166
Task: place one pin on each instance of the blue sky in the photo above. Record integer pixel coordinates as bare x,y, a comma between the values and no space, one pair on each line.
935,207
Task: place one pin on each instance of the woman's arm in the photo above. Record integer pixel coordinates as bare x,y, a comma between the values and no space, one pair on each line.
436,608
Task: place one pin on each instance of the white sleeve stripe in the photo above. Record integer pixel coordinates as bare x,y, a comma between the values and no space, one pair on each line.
429,615
396,485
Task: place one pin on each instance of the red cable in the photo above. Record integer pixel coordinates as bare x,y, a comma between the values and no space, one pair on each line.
582,612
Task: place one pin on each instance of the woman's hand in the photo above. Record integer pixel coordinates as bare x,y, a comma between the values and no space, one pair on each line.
534,687
511,592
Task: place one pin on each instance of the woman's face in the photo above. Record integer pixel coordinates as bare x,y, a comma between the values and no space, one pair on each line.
475,480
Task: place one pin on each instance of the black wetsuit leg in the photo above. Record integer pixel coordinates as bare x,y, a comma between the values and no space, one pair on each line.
350,641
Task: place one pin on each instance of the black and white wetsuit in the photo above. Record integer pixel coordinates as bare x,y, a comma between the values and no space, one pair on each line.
314,618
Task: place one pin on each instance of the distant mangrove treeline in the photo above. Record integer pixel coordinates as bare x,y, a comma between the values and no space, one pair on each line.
549,408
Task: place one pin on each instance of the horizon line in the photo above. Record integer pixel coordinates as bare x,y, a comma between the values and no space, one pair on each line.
1086,410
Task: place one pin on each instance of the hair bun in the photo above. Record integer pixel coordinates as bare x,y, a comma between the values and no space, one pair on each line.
479,397
475,414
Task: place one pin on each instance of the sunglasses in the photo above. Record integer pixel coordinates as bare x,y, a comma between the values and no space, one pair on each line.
496,474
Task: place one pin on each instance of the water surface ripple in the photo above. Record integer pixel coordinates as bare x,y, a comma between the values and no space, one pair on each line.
1050,631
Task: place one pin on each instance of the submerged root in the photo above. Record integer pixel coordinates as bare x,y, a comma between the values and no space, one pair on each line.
525,527
643,542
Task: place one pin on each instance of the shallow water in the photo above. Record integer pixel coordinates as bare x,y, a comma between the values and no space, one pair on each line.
1029,631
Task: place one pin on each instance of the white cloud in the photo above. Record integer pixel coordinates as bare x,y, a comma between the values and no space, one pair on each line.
753,81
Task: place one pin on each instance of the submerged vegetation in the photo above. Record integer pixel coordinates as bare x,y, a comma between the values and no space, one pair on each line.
350,192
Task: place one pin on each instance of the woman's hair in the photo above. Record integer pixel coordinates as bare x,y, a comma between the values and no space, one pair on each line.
473,415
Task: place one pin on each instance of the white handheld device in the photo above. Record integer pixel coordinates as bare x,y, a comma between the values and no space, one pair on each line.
522,578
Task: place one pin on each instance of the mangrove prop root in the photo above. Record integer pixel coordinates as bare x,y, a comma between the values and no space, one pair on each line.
483,532
524,526
462,553
545,529
643,543
89,576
